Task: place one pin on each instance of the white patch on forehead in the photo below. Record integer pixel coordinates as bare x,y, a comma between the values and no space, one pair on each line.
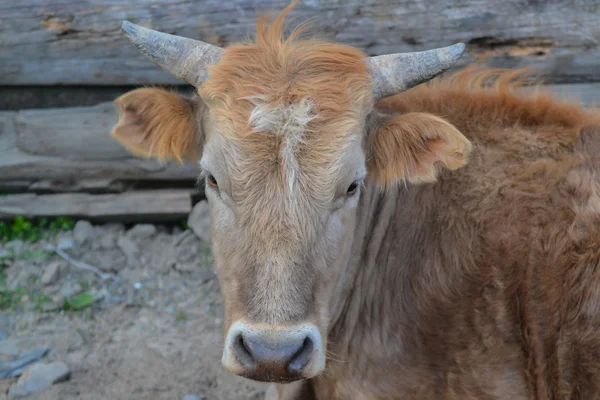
290,122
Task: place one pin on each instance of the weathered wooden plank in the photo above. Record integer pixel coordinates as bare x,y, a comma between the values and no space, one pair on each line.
7,130
15,165
98,186
46,42
14,186
586,94
125,206
45,186
76,133
80,185
70,167
17,98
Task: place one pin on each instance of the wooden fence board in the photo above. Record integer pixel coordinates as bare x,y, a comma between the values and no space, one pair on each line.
49,42
19,165
124,206
8,133
74,145
76,133
586,94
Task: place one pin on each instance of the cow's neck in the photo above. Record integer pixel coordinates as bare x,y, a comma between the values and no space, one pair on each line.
387,248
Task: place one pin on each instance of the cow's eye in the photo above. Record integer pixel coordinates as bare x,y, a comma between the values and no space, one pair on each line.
352,189
212,181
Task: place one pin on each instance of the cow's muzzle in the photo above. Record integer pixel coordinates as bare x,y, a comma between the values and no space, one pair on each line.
269,354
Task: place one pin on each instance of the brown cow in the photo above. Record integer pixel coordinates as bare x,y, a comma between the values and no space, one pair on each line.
359,254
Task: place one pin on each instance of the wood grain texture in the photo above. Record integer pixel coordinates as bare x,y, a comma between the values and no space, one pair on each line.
17,165
8,133
129,205
48,42
76,133
74,145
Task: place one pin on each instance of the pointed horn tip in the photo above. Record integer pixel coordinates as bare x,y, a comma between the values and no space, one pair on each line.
128,28
456,50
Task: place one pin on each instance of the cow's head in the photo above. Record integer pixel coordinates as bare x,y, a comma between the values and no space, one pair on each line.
286,135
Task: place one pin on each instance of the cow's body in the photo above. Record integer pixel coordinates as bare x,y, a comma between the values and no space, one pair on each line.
486,284
442,245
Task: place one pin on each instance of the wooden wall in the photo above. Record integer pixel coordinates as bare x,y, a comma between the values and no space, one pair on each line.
57,42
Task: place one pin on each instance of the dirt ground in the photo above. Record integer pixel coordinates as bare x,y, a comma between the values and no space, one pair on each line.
153,331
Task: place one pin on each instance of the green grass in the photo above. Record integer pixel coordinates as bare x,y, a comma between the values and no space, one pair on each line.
181,316
184,225
206,250
23,229
79,302
33,230
37,255
10,299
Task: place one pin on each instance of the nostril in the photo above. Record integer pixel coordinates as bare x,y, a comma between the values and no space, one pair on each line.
302,357
242,353
242,345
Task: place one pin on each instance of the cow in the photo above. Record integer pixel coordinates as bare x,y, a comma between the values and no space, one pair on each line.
381,230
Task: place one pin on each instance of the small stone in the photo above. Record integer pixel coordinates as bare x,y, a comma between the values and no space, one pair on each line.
6,322
131,251
100,294
16,246
108,260
39,377
106,241
4,254
65,243
70,289
58,298
10,347
199,221
188,252
162,254
50,274
17,365
107,236
83,234
205,274
115,227
50,306
192,397
141,232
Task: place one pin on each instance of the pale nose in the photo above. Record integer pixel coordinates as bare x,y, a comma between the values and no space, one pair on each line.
265,355
274,354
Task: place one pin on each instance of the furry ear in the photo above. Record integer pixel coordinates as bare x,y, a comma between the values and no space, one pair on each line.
411,148
155,123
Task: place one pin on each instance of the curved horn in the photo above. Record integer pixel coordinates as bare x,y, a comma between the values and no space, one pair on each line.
395,73
184,58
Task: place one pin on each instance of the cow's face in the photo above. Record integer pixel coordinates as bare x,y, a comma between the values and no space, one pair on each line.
285,134
284,162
